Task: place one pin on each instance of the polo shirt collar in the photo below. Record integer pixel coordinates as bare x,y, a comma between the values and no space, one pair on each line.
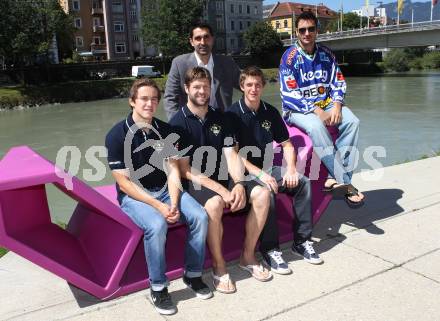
245,109
188,113
129,122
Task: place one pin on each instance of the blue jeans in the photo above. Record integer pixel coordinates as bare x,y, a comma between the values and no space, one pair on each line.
155,227
339,159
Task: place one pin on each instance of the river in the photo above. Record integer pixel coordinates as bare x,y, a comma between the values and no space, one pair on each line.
399,112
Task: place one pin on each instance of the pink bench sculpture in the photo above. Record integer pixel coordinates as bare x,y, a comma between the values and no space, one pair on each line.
101,250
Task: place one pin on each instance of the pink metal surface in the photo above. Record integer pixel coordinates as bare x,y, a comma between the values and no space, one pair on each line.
95,249
101,251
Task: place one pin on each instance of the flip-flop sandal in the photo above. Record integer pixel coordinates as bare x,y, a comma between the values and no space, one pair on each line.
224,279
353,192
336,189
258,267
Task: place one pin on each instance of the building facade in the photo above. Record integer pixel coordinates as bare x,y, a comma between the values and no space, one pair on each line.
106,29
283,16
239,16
230,19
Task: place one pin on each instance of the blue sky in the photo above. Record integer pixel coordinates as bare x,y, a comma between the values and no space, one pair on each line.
336,4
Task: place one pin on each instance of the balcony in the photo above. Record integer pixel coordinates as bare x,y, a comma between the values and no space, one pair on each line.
98,48
96,11
98,29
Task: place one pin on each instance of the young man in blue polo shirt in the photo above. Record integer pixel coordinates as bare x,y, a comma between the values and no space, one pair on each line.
206,131
258,124
142,152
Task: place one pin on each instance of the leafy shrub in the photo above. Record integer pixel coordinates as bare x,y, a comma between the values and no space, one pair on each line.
416,63
396,60
431,60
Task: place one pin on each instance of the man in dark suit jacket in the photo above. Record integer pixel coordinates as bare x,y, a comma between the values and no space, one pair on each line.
224,71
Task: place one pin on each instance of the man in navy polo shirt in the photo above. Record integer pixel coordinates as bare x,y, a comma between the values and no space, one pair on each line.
142,153
258,124
210,138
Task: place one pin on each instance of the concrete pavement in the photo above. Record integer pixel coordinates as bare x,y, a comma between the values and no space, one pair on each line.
382,262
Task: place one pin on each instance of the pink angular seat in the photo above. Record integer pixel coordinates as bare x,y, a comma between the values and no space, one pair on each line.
95,249
101,251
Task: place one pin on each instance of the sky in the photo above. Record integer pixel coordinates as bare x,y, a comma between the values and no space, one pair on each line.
336,4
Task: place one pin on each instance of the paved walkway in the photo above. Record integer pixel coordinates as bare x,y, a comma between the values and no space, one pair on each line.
382,262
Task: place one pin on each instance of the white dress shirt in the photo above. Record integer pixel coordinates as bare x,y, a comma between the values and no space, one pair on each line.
210,67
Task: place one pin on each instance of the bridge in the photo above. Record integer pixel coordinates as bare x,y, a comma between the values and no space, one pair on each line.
394,36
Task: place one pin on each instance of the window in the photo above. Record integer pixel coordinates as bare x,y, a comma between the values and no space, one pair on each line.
285,23
119,27
120,47
77,23
132,1
219,6
79,41
219,43
232,25
96,21
97,40
241,25
232,8
117,6
220,23
248,9
255,10
277,25
135,37
232,41
240,8
133,14
248,24
75,5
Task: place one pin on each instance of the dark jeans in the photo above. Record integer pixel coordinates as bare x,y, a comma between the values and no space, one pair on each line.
302,225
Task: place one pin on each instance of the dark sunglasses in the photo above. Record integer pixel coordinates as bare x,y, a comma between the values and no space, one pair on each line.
309,29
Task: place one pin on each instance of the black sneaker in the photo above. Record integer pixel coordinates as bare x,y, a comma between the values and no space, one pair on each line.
307,251
162,302
196,284
276,262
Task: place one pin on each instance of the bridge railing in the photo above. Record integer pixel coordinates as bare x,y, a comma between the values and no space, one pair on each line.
416,26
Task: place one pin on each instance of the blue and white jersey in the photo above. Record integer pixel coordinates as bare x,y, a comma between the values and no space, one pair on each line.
308,82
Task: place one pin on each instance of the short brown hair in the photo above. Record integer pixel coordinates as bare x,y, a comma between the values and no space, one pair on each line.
252,71
143,82
197,73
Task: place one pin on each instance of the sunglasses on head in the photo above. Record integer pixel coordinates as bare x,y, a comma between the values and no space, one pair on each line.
309,29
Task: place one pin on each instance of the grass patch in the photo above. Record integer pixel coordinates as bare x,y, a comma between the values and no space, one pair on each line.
424,156
3,251
271,74
67,92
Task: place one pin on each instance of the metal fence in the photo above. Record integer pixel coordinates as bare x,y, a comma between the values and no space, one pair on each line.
404,27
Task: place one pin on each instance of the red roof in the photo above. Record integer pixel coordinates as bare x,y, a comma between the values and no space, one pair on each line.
284,9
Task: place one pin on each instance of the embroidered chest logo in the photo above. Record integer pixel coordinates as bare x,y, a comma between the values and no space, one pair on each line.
266,125
215,129
158,146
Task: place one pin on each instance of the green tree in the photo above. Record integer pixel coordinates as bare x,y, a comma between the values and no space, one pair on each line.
350,21
28,29
261,39
431,60
166,23
396,60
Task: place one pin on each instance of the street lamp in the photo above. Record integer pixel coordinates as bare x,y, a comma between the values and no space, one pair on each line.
163,62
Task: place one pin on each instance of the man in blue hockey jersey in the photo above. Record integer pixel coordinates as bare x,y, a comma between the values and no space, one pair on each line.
312,92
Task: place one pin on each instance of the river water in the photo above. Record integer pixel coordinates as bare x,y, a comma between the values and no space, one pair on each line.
399,112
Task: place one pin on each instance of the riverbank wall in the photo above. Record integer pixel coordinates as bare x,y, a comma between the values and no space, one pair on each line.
78,91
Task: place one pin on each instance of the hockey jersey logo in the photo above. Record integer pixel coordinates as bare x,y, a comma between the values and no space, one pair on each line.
321,75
